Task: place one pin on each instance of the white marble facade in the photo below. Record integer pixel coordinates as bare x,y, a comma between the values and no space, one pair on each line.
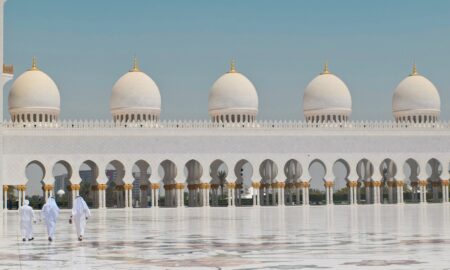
271,159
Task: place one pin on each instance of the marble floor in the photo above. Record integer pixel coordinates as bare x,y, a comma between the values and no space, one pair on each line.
315,237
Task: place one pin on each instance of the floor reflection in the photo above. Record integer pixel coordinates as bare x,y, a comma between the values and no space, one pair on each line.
315,237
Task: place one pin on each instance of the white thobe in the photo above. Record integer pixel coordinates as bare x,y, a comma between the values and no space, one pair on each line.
80,212
50,213
26,221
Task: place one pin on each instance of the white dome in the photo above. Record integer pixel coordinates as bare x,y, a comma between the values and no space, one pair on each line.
135,93
233,93
414,96
34,92
327,94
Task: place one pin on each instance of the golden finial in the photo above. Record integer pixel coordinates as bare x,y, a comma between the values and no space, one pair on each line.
233,66
325,69
135,65
34,64
414,70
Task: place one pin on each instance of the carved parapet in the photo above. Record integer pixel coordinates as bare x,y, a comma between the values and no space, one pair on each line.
256,185
445,182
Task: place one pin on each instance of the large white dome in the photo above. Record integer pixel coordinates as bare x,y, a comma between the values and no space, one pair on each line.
416,96
327,96
135,94
34,93
233,94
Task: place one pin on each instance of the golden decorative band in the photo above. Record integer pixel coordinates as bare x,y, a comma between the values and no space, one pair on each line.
21,187
435,184
376,184
414,184
75,187
399,183
231,185
390,183
179,186
256,185
423,183
305,184
101,186
352,184
47,187
329,184
215,186
155,186
445,182
128,186
5,188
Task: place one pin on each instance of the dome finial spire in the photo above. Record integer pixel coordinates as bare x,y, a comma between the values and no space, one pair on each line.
233,66
34,64
135,65
325,68
414,70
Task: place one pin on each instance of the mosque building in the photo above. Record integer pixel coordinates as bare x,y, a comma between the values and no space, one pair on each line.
233,159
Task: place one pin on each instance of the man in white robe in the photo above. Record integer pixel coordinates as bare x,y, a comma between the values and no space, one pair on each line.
80,213
26,221
50,213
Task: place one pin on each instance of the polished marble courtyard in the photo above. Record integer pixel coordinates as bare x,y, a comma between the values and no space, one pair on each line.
315,237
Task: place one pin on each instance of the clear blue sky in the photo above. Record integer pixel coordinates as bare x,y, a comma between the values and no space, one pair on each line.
185,46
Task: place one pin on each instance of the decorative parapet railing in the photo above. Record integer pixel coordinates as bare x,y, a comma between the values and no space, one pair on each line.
204,124
8,69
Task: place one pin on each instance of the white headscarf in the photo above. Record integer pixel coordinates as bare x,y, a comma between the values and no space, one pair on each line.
51,209
26,202
80,206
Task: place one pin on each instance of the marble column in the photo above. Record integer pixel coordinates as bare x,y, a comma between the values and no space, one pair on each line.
352,188
256,187
305,192
298,188
231,187
368,189
391,185
376,192
423,191
399,188
329,192
445,184
5,197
